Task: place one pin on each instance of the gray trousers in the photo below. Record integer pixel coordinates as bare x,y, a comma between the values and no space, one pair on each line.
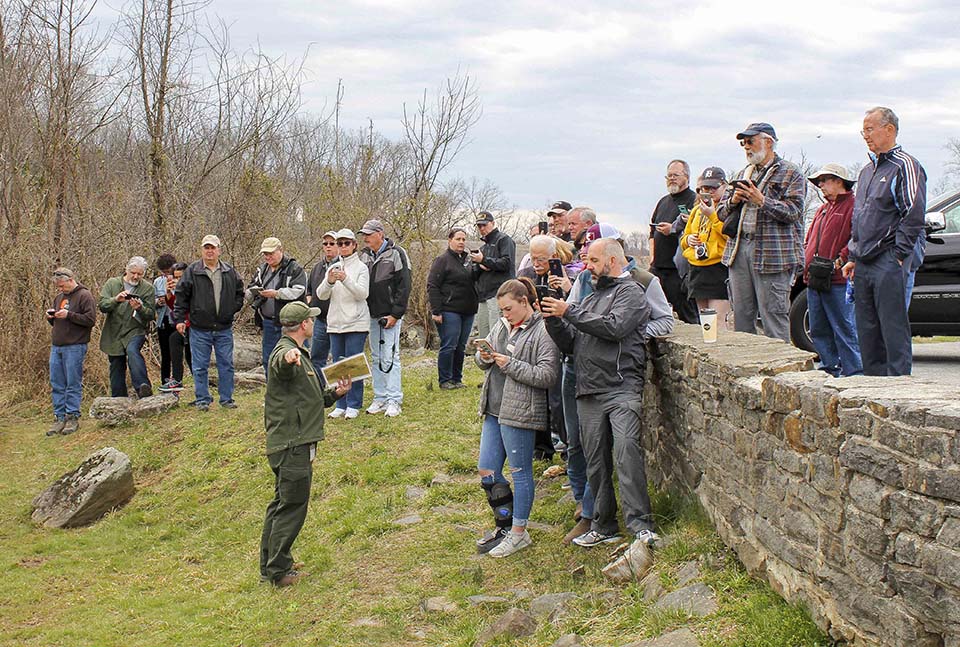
610,435
752,292
487,314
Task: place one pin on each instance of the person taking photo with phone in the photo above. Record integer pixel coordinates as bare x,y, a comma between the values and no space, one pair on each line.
128,302
703,242
521,363
71,317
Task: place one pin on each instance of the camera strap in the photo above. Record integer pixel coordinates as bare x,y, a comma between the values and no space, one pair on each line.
393,351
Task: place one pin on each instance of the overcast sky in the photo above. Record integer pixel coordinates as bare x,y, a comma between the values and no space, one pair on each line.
587,101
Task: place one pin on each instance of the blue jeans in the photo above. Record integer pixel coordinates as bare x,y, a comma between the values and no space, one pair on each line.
347,344
132,360
576,461
833,331
883,328
454,333
497,443
385,361
66,379
319,345
202,343
271,335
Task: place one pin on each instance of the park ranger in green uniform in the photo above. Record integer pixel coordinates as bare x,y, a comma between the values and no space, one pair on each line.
293,416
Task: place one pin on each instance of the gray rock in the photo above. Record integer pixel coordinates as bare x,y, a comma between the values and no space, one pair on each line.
552,605
438,605
412,336
520,594
696,600
569,640
688,572
116,411
478,600
248,380
652,588
426,362
513,624
440,479
415,493
102,482
408,520
247,354
679,638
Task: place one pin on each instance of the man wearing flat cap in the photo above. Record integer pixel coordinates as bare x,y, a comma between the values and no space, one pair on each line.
293,417
762,212
278,281
493,264
833,328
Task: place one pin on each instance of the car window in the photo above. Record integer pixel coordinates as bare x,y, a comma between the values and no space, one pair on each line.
953,219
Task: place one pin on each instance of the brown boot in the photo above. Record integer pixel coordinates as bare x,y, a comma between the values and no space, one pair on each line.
72,424
582,526
289,579
56,428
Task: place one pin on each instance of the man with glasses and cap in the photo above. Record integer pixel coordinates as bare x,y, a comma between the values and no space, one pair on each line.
71,317
493,264
210,294
558,219
279,280
320,344
293,417
833,328
762,212
389,268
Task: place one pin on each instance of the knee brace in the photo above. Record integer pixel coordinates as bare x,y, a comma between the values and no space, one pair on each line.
500,498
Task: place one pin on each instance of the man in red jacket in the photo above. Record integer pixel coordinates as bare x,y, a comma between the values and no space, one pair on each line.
833,328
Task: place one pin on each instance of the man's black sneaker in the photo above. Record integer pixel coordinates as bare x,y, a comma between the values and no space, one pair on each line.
229,404
594,538
491,540
447,386
200,406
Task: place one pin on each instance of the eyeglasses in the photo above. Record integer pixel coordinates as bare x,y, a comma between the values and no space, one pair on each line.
706,189
747,141
823,180
867,131
344,243
673,176
326,244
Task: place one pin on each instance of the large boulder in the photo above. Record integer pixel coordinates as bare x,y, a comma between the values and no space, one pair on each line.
102,482
247,353
115,411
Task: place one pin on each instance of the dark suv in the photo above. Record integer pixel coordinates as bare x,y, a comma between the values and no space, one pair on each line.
935,303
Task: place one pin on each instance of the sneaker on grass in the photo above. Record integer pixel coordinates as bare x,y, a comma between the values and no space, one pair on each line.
350,413
511,544
377,406
171,386
595,538
393,410
491,540
336,413
648,537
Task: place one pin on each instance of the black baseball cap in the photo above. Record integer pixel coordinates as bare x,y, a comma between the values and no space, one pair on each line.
713,176
484,217
560,206
756,129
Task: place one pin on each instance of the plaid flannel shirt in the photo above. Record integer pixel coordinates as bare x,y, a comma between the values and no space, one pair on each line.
779,233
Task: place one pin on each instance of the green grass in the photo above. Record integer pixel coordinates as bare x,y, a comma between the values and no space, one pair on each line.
178,564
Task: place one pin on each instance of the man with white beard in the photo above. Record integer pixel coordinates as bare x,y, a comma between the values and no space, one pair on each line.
664,238
762,212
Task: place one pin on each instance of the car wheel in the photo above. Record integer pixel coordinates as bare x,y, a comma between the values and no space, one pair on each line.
800,323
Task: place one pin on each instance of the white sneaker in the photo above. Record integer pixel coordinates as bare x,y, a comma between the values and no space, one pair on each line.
336,413
393,410
511,544
350,413
377,406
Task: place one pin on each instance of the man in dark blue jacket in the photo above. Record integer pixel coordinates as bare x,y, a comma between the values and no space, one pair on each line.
888,218
493,264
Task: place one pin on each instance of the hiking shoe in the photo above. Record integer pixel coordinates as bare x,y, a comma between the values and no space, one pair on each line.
72,424
648,537
581,528
511,544
144,391
595,538
171,386
289,579
393,410
200,406
336,413
229,404
491,540
458,385
56,428
446,386
350,413
377,406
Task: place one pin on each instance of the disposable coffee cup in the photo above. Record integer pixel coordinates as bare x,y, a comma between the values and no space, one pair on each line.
708,324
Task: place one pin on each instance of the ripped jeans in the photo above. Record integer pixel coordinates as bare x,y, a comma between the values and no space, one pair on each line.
498,443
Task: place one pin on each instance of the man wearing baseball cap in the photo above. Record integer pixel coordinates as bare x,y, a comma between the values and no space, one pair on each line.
389,268
558,219
210,294
293,417
278,281
762,211
493,264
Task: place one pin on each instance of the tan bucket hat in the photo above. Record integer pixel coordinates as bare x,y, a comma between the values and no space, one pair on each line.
837,170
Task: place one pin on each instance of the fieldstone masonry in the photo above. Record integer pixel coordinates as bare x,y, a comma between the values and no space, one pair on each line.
843,493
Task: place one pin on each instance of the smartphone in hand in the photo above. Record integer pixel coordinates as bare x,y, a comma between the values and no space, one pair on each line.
484,345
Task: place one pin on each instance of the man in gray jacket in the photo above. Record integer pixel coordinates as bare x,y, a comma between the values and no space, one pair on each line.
605,335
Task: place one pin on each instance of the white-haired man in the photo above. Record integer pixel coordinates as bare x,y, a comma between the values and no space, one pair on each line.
128,301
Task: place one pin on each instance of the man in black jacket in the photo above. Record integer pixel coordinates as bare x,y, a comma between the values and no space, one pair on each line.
278,281
605,335
208,296
493,264
389,292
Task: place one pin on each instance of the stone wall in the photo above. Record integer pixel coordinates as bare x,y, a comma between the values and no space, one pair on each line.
843,493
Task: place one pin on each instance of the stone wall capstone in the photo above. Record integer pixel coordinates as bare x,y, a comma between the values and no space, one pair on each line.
843,493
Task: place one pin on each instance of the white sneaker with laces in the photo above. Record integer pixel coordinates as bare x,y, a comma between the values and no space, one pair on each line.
511,544
377,406
350,413
393,410
336,413
647,537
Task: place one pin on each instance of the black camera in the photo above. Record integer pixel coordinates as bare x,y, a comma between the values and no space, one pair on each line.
382,321
701,251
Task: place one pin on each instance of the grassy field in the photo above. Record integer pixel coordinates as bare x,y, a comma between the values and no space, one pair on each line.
178,564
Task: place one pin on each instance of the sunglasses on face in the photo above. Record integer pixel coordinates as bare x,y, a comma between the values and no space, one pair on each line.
344,243
747,141
326,244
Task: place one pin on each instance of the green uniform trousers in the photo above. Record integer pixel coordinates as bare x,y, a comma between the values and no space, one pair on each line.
288,510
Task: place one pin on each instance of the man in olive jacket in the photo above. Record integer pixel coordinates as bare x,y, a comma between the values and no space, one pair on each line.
128,302
293,417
